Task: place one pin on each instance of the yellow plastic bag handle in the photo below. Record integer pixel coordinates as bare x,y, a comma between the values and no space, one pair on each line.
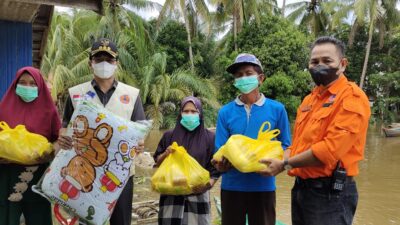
267,134
178,148
4,126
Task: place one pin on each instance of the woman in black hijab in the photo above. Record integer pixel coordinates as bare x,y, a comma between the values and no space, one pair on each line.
190,133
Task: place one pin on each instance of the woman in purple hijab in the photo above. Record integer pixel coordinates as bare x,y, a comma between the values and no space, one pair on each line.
190,133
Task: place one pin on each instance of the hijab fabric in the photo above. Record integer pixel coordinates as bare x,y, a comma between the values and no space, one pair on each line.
39,116
193,141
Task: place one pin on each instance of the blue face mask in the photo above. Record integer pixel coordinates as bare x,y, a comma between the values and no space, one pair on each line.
246,84
190,121
27,94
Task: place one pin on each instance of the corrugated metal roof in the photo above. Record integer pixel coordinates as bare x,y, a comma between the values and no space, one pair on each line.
16,50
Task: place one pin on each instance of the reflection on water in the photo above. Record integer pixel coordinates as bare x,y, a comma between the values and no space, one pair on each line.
378,182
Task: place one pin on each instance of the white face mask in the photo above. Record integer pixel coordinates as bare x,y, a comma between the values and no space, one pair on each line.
104,70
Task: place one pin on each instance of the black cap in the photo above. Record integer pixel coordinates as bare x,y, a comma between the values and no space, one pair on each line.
104,45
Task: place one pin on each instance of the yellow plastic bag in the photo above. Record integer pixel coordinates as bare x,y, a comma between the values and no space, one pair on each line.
21,146
244,152
179,173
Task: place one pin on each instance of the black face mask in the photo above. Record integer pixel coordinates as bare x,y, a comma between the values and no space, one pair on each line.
324,75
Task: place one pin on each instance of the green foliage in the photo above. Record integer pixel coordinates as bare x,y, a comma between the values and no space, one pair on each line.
313,15
227,92
283,52
383,59
172,39
288,90
141,64
356,53
277,43
205,55
154,56
386,91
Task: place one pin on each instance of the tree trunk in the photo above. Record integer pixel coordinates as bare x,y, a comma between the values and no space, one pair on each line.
244,13
190,48
235,31
352,34
382,32
283,8
116,28
364,71
187,26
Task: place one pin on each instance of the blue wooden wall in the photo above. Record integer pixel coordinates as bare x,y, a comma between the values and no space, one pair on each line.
15,51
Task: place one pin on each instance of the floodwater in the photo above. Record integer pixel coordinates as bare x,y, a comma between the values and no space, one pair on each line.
378,182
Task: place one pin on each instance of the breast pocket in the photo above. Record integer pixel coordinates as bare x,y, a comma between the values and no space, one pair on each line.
351,117
316,128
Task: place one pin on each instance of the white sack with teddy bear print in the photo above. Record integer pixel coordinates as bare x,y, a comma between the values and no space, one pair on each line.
88,179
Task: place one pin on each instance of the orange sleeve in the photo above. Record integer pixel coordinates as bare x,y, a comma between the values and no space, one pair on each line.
342,133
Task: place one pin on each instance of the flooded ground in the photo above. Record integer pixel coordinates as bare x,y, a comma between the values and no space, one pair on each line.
378,183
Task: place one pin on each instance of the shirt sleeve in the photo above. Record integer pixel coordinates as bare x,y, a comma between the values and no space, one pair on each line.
138,111
68,111
162,145
342,133
284,127
221,133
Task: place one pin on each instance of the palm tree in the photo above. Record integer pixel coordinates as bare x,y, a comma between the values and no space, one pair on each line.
162,92
118,10
240,12
186,8
66,59
381,15
311,14
66,63
283,8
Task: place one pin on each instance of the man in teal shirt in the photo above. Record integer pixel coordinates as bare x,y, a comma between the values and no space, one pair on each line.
248,193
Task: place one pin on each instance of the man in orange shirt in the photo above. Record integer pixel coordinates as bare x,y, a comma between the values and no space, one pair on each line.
328,142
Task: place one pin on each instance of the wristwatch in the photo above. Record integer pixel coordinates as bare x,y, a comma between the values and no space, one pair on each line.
286,165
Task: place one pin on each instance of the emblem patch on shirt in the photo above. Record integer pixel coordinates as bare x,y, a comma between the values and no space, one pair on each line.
331,100
90,94
76,97
125,99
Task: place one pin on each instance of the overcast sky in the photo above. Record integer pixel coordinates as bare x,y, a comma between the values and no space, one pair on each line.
279,1
149,14
154,13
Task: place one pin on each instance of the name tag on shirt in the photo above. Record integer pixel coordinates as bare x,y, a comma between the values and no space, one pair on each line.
306,108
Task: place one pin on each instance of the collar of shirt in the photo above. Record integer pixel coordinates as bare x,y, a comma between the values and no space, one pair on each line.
334,88
259,102
96,86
